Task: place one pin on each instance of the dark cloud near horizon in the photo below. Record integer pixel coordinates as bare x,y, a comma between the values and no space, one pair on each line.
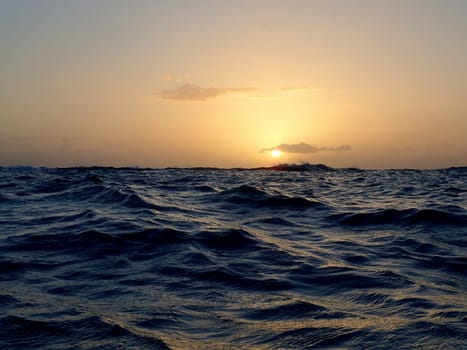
302,148
190,92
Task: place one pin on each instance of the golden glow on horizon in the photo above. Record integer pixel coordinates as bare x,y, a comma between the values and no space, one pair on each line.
222,85
276,153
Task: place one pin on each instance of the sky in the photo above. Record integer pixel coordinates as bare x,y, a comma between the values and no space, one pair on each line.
357,83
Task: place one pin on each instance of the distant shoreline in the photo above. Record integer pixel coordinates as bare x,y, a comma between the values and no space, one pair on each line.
304,167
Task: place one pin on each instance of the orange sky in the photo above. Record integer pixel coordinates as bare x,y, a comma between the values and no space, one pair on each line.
371,84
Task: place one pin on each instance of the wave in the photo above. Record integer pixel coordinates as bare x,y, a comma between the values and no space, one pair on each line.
202,258
405,217
23,332
227,240
287,311
252,196
93,189
344,279
314,337
275,221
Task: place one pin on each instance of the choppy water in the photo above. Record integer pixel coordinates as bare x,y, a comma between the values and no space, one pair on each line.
102,258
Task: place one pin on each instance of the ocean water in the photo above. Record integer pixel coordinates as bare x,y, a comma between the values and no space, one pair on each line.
319,258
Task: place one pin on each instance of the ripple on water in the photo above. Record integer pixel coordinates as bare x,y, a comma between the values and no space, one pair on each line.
316,257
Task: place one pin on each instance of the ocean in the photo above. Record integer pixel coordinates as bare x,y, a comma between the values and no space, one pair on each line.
305,257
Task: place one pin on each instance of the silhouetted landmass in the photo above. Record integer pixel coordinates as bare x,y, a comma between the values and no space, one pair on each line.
300,167
278,167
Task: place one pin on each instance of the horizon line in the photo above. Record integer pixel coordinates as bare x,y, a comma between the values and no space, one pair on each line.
277,167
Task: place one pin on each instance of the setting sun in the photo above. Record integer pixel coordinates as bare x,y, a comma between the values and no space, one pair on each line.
264,144
275,153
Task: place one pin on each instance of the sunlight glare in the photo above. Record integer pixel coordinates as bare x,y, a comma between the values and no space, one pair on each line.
275,153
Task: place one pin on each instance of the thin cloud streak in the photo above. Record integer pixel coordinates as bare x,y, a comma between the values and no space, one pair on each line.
303,148
190,92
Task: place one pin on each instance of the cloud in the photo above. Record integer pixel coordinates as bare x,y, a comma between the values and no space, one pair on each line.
190,92
338,149
302,147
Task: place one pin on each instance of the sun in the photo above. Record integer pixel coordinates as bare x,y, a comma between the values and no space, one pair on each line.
276,153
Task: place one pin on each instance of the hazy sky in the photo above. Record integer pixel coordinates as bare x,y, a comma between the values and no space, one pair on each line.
372,84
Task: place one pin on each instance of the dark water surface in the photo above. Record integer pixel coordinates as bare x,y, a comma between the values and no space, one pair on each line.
101,258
